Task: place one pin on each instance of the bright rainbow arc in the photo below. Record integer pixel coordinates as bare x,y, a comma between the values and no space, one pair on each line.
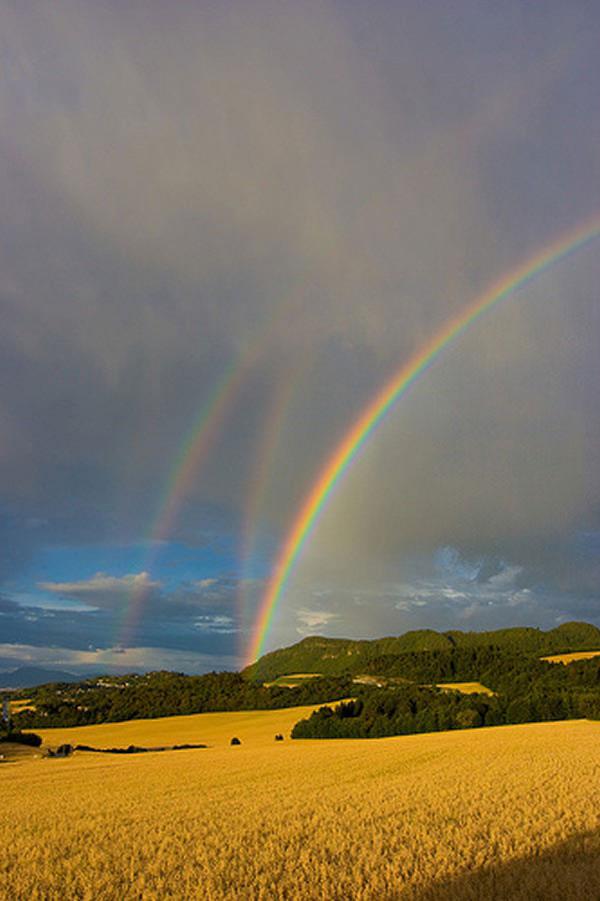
384,400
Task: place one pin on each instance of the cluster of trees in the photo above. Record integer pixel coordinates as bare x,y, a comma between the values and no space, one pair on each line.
526,690
412,709
500,669
166,694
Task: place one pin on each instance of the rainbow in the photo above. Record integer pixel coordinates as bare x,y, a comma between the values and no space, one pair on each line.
183,473
264,456
180,480
382,403
195,448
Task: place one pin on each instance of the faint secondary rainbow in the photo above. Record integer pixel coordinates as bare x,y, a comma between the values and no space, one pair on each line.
181,478
384,400
258,482
182,475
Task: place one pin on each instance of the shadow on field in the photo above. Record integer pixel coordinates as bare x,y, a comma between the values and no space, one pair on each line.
13,753
570,870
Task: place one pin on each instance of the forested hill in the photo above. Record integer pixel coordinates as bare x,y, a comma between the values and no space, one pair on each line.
110,699
506,661
335,656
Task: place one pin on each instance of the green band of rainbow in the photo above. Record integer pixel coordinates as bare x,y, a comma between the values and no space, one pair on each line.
384,400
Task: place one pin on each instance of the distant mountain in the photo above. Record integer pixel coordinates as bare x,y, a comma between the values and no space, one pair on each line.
29,676
335,656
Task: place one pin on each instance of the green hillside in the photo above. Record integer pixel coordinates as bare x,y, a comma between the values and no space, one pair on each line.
506,661
340,655
335,656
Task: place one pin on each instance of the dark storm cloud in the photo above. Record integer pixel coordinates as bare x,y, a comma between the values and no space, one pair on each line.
183,630
198,617
326,183
37,626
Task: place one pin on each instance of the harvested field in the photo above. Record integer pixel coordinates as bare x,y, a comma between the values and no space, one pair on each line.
505,812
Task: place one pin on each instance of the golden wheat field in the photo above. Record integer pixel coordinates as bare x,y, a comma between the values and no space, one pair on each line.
292,680
505,812
18,706
569,658
466,688
214,729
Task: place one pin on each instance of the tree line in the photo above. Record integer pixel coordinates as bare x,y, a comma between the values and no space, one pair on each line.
166,694
526,689
498,668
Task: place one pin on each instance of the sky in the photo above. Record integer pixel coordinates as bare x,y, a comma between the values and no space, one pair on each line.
224,226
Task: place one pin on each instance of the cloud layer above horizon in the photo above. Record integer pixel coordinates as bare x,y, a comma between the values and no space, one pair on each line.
289,200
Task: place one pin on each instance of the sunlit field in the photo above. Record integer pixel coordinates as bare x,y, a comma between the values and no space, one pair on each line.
292,680
505,812
467,688
257,727
570,658
18,706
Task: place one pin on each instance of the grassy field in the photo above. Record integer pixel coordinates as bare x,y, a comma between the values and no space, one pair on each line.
569,658
506,812
466,688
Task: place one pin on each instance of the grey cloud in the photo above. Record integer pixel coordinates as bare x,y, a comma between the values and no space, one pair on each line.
438,600
91,660
248,164
162,622
216,624
313,620
40,627
101,586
